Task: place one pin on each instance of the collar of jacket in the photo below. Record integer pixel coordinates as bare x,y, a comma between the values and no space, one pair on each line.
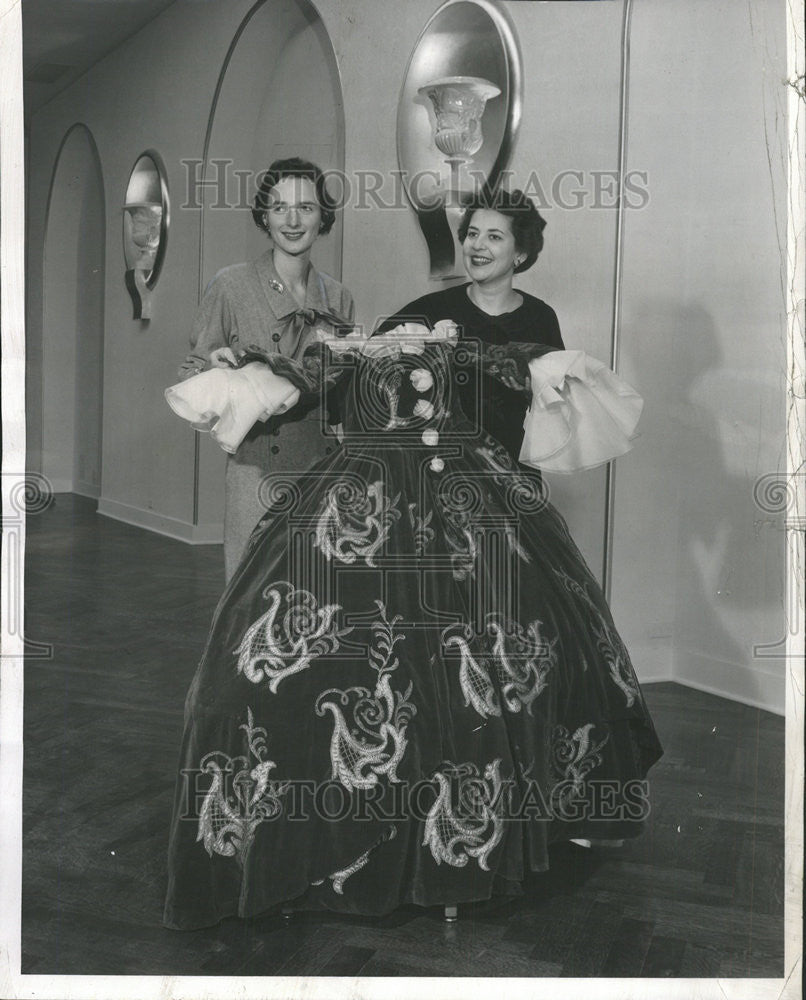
282,302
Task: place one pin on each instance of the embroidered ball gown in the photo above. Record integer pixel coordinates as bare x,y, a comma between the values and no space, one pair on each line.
413,684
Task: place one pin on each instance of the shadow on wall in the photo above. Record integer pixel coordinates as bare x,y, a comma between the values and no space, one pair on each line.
712,426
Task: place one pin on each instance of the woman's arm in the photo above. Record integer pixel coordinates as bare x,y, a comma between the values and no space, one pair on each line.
213,328
552,330
228,403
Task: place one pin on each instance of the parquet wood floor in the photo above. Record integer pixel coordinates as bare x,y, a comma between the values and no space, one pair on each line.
700,894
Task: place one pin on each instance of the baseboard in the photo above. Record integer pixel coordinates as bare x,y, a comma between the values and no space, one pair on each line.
86,489
161,524
725,680
734,681
655,679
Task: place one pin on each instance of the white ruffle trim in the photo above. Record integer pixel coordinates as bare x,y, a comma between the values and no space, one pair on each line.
582,414
228,402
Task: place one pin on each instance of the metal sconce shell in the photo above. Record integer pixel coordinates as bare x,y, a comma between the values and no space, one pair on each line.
146,218
462,39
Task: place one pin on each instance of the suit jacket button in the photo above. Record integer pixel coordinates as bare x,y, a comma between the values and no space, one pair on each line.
275,337
328,450
275,449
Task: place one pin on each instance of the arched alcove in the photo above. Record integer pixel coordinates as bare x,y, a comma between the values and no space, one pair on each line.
278,94
73,318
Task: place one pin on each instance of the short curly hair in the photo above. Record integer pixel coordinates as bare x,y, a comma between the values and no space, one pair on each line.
294,166
527,223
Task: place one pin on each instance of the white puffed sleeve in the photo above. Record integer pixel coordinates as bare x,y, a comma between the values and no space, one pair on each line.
228,402
582,414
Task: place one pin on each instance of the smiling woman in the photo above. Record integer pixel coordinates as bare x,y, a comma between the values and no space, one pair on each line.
275,304
501,235
293,218
293,206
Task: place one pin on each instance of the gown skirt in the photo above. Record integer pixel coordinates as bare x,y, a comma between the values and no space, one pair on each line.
412,685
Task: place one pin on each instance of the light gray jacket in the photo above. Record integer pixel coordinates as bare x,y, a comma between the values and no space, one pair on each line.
244,305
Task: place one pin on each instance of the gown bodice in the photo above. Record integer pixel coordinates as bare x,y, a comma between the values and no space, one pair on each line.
499,409
404,386
439,389
412,387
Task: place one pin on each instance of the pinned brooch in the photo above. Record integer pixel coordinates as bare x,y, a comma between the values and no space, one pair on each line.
278,286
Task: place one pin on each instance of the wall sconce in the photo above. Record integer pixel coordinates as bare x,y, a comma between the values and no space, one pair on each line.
465,66
145,230
459,103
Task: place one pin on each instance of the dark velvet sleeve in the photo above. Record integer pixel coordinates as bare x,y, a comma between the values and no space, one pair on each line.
553,335
509,363
315,374
541,325
552,328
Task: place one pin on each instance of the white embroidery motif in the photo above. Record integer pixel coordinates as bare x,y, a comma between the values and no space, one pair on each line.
228,818
471,827
608,642
614,654
390,385
423,533
376,741
497,457
515,546
285,639
458,526
573,757
463,501
522,660
459,536
340,877
355,521
525,492
474,679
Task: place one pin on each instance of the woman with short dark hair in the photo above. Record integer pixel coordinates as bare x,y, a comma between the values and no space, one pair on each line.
274,303
527,223
501,235
294,167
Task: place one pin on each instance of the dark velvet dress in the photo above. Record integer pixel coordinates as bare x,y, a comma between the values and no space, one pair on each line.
493,406
412,684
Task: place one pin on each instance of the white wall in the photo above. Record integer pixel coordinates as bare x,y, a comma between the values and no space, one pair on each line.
698,568
73,304
148,458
